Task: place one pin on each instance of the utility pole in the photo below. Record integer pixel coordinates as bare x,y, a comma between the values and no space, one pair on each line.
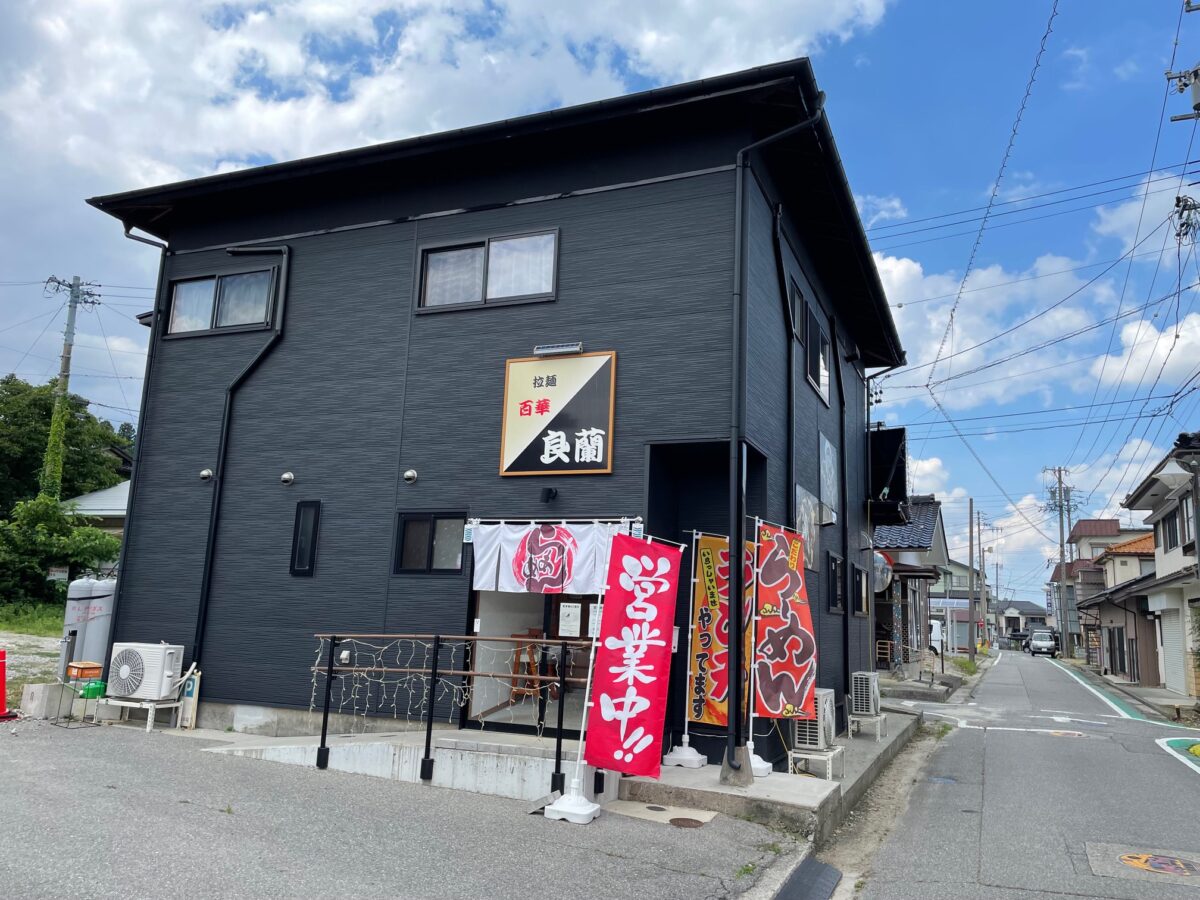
981,612
52,467
970,577
1070,525
1068,647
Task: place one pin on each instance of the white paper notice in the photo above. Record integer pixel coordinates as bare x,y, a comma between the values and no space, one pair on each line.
569,617
595,611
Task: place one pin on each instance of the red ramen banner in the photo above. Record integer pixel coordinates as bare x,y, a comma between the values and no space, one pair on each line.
633,657
785,660
708,684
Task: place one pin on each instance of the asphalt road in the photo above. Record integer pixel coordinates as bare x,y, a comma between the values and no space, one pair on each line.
1040,789
114,812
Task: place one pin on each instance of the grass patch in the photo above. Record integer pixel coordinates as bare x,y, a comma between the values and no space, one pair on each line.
773,847
747,869
966,666
942,730
41,619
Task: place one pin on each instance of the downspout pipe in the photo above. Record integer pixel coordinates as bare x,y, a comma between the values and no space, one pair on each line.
785,296
157,323
843,495
737,434
214,515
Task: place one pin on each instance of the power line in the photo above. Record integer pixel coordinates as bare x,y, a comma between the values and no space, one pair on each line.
1029,197
991,227
1012,138
45,327
1162,112
111,358
1000,284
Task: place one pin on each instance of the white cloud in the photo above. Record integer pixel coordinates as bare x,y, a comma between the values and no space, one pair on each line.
158,91
1121,220
930,476
874,209
1101,485
1126,70
1079,60
1150,346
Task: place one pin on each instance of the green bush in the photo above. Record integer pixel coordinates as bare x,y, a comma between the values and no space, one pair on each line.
39,534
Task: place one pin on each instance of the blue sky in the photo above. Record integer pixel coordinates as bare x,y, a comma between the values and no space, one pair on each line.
921,95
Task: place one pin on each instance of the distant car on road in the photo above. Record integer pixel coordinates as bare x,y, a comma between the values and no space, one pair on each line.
1043,642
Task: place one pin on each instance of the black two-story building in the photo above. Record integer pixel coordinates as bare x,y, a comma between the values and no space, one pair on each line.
325,402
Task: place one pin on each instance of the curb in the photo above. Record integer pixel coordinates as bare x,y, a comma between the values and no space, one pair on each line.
1144,707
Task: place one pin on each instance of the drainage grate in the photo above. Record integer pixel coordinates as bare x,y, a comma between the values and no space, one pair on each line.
686,823
657,808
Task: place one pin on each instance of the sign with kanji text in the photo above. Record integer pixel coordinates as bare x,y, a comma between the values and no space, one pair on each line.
633,658
558,415
785,658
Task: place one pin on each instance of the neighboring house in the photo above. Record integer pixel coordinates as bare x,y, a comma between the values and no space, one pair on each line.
1167,497
332,335
104,508
1088,538
1120,635
1018,616
918,553
949,600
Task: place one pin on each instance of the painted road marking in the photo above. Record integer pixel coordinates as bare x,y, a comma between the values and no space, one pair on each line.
1183,749
1065,719
1121,713
1087,687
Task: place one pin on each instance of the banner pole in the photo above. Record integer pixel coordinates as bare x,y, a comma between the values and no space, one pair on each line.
759,766
684,754
573,805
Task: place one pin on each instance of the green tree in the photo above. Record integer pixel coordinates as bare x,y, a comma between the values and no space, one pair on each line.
41,534
25,412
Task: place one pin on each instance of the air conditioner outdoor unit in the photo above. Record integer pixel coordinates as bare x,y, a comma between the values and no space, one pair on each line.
145,671
816,734
864,693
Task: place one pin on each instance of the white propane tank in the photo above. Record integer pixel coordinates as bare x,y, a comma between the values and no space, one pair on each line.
79,599
100,610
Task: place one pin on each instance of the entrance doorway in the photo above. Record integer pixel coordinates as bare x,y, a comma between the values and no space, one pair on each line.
521,690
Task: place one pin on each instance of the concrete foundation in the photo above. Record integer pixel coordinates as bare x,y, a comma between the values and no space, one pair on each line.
812,806
515,766
271,721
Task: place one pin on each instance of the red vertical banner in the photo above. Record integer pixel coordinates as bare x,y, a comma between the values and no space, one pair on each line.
785,660
633,657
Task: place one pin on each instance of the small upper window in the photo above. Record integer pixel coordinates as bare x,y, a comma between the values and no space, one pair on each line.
304,537
837,584
862,592
227,301
428,542
799,313
1170,524
818,356
497,269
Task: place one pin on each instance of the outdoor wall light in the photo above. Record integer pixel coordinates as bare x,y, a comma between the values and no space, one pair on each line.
287,478
410,476
558,349
206,474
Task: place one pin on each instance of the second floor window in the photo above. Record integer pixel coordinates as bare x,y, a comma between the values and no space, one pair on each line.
224,301
506,268
1170,530
818,356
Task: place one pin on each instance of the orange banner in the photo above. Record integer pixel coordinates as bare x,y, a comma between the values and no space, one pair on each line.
708,682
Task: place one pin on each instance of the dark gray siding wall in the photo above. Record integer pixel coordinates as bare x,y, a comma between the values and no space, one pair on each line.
766,415
361,388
